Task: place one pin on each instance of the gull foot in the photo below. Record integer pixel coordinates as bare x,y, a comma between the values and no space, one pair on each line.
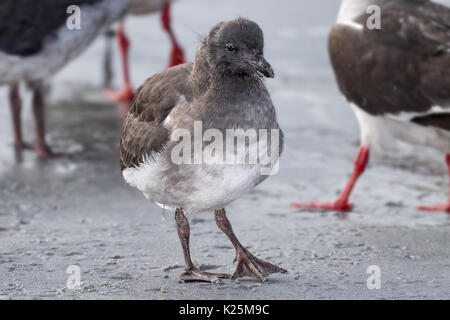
44,152
196,275
20,145
124,95
440,207
250,266
341,206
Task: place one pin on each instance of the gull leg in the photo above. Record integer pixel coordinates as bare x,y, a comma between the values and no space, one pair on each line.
127,93
16,109
177,54
342,203
248,265
445,207
41,148
191,273
107,59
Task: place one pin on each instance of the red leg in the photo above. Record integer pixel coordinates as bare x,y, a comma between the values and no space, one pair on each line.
441,206
341,203
177,54
127,93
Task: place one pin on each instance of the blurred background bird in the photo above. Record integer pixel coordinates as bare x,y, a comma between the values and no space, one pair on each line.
36,42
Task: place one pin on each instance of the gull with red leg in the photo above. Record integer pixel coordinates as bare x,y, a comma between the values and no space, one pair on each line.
395,79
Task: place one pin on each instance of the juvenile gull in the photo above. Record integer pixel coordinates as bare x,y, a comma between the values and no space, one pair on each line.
222,89
397,78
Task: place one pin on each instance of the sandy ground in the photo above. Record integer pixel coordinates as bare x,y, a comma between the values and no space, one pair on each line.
78,211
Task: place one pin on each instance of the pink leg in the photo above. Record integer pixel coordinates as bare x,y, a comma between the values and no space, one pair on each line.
441,206
16,110
341,203
41,148
127,93
177,54
191,273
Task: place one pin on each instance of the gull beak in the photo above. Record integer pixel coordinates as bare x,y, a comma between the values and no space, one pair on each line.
262,66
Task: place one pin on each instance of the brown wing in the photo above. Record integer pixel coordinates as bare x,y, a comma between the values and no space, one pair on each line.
418,26
401,68
143,132
420,29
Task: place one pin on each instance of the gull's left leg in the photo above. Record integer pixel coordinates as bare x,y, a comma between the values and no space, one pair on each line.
191,273
441,206
248,264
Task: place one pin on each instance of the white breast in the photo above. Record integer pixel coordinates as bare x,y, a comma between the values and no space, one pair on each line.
195,188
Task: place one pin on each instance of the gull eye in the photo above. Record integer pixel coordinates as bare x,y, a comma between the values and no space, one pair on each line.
230,48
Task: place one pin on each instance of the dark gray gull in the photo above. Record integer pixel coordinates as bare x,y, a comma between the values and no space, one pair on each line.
36,42
396,78
221,91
